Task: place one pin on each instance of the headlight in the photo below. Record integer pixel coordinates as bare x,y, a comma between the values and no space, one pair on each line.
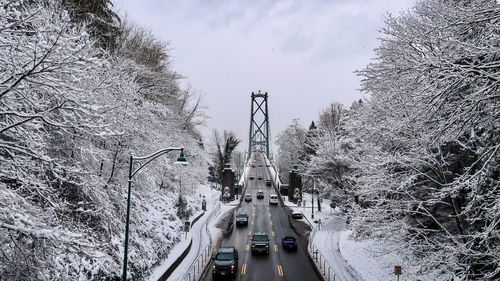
267,246
253,246
213,266
232,266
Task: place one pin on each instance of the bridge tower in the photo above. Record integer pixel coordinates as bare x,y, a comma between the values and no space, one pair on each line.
259,124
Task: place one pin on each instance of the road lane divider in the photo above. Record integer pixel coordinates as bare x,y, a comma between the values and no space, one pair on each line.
275,247
247,247
244,268
271,222
272,233
280,270
249,233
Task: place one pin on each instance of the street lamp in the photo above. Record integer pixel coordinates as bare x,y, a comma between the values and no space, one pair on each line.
181,160
312,197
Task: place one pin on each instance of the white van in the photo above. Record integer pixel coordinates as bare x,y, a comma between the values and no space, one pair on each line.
273,199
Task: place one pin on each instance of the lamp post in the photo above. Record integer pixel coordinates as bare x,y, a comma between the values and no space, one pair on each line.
312,198
131,173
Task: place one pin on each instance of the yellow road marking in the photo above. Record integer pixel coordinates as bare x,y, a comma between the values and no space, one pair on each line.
280,270
272,233
251,222
249,233
247,247
275,247
271,222
244,268
269,215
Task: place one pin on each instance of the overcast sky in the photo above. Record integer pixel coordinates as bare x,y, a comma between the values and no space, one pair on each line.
303,53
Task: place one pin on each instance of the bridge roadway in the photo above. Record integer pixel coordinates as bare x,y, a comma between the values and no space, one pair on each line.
280,264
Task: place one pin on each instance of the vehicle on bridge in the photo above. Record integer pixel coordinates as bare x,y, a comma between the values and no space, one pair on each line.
289,242
241,219
251,177
273,199
259,178
248,197
260,243
268,182
260,194
225,263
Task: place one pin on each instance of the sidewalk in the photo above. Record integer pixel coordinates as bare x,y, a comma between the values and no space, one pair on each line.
370,260
211,196
326,226
201,247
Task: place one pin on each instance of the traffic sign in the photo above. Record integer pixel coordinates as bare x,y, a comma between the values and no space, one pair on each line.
398,270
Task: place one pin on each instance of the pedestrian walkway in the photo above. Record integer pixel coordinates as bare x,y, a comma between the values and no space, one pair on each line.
327,238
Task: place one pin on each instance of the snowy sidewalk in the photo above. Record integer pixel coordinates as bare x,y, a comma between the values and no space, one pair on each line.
369,260
327,240
326,237
201,247
198,230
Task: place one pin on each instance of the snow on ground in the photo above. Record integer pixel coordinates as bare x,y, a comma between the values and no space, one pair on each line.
205,227
212,198
369,260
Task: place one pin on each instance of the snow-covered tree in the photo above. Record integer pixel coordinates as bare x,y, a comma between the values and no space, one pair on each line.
290,144
70,116
427,170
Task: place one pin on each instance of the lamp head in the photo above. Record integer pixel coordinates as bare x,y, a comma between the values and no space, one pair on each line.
181,160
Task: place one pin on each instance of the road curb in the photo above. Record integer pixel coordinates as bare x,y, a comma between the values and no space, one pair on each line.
178,261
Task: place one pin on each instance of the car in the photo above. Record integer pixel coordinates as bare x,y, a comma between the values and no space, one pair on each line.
259,178
260,165
248,197
273,199
297,215
251,177
225,263
241,219
253,166
268,182
260,243
289,242
260,194
268,165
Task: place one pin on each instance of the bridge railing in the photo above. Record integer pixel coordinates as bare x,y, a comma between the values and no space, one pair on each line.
205,252
319,259
274,172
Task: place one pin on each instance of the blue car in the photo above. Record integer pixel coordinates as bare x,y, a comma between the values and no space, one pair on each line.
289,242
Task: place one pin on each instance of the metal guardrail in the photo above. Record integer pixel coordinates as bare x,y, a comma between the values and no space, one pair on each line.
198,265
324,267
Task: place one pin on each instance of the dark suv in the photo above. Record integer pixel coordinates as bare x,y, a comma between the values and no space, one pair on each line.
241,219
260,243
225,263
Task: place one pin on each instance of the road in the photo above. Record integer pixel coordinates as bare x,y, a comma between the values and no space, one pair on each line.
280,264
